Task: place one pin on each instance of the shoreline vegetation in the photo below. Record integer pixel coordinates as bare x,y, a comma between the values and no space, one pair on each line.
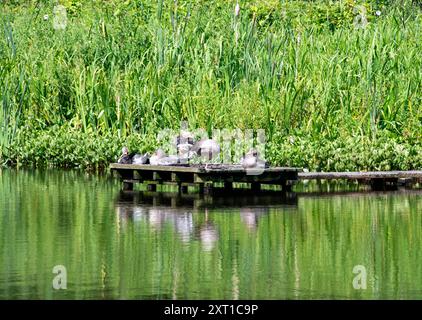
337,85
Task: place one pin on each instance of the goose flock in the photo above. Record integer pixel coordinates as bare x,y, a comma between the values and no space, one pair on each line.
188,149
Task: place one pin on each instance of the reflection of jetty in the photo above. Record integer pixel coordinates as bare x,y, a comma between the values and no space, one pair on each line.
219,199
203,176
189,215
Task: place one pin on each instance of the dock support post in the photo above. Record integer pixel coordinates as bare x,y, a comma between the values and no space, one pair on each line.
285,187
208,189
228,186
183,188
256,186
127,186
406,182
377,184
152,187
380,184
124,176
201,187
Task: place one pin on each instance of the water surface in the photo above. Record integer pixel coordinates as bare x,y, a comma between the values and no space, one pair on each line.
143,245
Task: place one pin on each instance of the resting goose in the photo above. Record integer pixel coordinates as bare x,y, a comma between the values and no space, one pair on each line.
207,147
184,143
252,160
140,159
125,158
160,158
156,156
168,161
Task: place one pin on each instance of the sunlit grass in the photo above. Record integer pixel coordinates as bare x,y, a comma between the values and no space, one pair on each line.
149,68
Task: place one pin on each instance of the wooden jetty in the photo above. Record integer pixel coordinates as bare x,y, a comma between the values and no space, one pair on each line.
356,194
378,180
203,176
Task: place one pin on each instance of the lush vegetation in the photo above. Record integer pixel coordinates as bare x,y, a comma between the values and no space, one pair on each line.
333,90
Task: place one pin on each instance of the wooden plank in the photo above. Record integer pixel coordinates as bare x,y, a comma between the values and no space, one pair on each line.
168,183
266,177
148,167
127,186
240,169
196,169
360,175
355,194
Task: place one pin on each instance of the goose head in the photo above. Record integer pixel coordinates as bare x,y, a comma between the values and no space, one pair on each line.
125,151
252,153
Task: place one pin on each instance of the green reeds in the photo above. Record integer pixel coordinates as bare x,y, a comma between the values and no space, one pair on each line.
149,65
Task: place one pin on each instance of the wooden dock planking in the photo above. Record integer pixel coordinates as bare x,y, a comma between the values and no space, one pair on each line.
204,176
196,169
361,175
201,175
379,180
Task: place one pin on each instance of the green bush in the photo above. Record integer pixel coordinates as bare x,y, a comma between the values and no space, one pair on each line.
69,148
346,153
348,97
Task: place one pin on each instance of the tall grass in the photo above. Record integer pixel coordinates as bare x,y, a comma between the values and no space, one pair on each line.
148,65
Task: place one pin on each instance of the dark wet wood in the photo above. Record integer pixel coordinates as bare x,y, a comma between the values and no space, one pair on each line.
378,180
218,199
127,186
360,175
203,176
151,187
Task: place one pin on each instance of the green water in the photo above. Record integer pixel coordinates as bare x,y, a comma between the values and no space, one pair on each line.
140,246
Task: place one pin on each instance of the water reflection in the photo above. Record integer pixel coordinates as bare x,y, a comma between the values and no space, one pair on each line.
242,246
208,233
250,217
158,209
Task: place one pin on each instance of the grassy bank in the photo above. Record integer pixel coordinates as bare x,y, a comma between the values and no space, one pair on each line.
333,92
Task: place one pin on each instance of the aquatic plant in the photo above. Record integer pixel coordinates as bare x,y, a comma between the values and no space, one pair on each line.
130,69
